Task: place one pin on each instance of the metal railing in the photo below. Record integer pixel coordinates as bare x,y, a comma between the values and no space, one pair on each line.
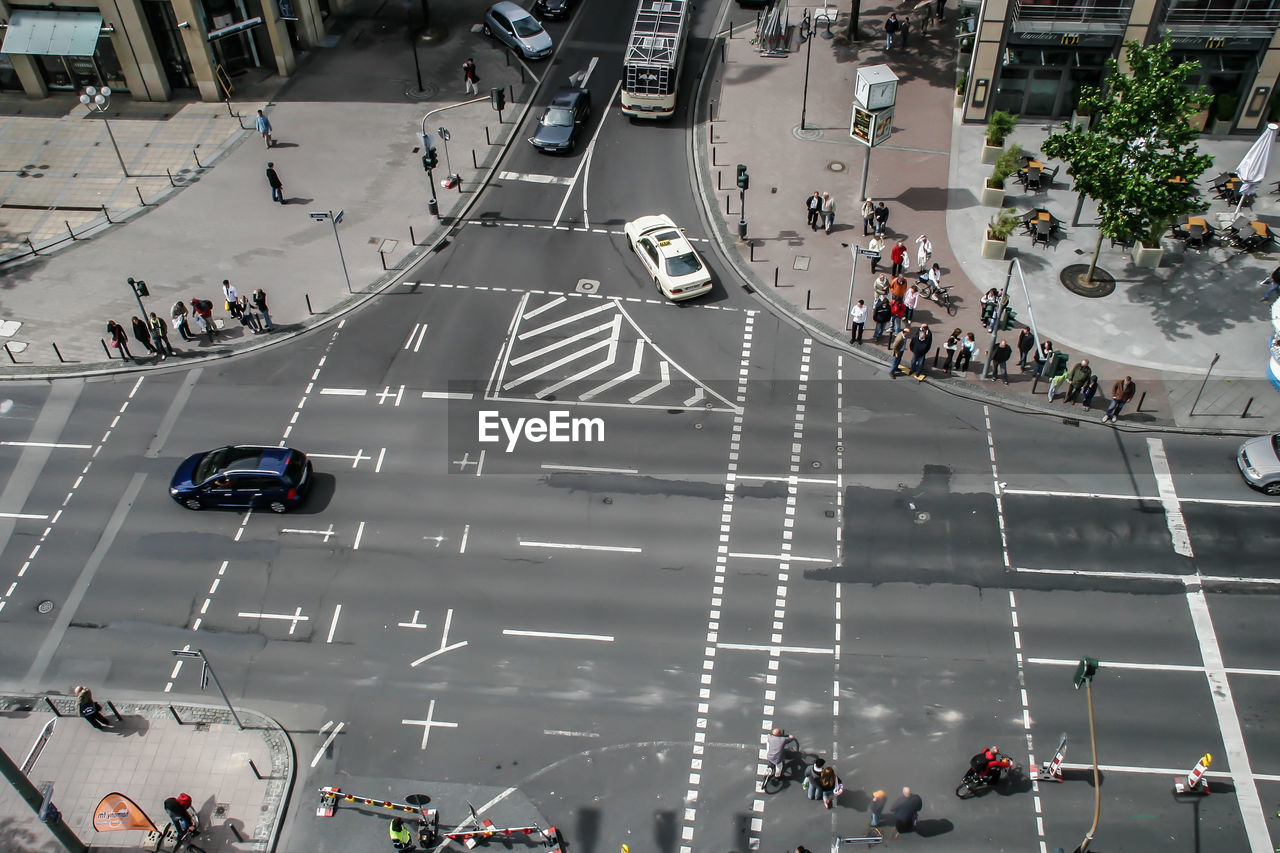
1073,15
1240,19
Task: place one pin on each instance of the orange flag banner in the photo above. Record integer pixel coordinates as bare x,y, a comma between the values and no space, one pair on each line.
117,812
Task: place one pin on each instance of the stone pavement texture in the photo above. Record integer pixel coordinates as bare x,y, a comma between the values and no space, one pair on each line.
147,756
345,127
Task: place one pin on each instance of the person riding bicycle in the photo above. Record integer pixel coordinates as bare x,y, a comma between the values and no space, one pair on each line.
775,745
989,763
181,814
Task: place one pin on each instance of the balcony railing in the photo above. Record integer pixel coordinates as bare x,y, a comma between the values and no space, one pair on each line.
1074,16
1243,19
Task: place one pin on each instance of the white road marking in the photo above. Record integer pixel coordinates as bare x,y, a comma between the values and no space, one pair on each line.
559,733
636,358
665,370
26,515
611,353
292,618
555,223
480,464
559,300
778,557
1050,493
587,469
343,392
324,534
1178,772
1158,667
755,647
534,178
624,549
787,478
1159,576
447,395
555,635
52,444
382,454
359,535
328,741
466,531
564,321
573,356
1169,498
413,623
444,640
416,336
356,458
333,626
429,723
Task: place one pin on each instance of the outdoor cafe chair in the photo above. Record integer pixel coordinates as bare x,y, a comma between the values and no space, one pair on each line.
1195,235
1043,231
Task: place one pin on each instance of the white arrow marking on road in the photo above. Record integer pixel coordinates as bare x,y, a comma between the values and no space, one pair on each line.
636,358
292,618
665,370
428,723
586,75
609,356
343,392
413,624
444,640
333,734
586,158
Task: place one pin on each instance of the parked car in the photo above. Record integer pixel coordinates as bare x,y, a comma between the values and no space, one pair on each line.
1259,461
562,120
517,29
668,257
552,8
243,476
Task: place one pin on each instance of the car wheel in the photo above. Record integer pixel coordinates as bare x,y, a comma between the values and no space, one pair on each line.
277,506
658,286
192,503
486,30
1272,488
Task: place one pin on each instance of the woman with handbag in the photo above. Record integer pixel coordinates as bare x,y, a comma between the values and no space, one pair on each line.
90,710
118,339
830,785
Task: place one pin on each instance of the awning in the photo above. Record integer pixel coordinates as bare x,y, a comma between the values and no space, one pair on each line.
53,33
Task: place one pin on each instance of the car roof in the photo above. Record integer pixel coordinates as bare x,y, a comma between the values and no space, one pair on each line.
647,224
566,96
271,459
511,10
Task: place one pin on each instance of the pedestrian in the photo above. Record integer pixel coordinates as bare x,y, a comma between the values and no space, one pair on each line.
911,300
813,209
875,244
868,216
941,8
1121,393
1055,383
898,287
858,321
897,256
1090,388
882,218
469,77
277,188
921,343
951,347
1272,283
924,251
1043,356
897,312
904,31
968,349
898,347
180,815
401,839
812,775
90,710
260,302
990,302
878,801
830,784
880,315
143,334
1000,361
890,27
881,285
203,311
160,336
906,812
264,127
248,318
229,294
180,319
1077,377
828,211
1026,342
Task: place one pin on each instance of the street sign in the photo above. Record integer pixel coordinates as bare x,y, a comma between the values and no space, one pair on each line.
318,217
444,133
869,253
871,127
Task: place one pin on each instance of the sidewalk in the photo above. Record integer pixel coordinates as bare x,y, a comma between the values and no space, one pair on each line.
1162,327
149,756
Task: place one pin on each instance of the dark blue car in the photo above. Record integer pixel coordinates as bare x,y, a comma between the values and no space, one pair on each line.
244,477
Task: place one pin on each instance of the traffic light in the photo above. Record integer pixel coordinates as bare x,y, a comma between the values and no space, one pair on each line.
139,287
988,311
1009,319
498,98
744,180
429,159
1085,671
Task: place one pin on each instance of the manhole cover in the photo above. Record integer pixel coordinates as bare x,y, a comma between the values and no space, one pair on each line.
806,133
587,285
45,606
1076,279
426,93
835,166
922,517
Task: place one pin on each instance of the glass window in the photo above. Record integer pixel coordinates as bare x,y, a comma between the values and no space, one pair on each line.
686,264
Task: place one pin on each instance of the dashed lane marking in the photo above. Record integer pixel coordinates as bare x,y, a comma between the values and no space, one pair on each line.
342,392
779,557
752,647
447,395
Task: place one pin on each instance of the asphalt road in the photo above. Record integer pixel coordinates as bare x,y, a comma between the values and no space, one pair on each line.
768,533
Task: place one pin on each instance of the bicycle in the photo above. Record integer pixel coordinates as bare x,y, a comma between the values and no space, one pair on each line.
941,295
776,775
182,841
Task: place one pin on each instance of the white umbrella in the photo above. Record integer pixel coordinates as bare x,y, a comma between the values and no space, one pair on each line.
1253,168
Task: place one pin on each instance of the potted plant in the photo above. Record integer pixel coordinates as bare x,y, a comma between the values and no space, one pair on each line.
1005,165
999,126
1224,112
1080,116
1148,252
999,228
962,81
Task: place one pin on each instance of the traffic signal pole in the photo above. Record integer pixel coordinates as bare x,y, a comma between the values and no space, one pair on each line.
744,181
989,369
33,798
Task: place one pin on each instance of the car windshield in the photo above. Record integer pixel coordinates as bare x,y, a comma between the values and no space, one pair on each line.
217,461
667,235
685,264
295,468
526,27
556,117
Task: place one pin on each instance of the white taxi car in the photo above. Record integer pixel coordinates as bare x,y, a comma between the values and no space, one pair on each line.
666,254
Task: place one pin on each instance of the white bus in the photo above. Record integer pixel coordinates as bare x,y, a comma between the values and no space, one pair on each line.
655,52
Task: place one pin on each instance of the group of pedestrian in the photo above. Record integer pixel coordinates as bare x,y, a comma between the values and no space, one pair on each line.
820,209
875,217
191,322
152,334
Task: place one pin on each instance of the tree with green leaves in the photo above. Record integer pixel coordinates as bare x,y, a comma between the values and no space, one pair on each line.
1141,137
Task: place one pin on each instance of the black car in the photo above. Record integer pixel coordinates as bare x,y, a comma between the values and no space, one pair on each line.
552,8
562,120
243,476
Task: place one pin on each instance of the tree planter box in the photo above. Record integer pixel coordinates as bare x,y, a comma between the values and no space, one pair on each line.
991,153
994,249
1147,257
1221,128
1080,120
992,197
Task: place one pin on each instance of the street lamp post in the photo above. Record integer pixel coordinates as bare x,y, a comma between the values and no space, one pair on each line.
806,35
206,672
1085,671
99,100
335,218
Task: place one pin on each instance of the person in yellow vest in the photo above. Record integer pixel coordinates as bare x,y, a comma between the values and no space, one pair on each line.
400,837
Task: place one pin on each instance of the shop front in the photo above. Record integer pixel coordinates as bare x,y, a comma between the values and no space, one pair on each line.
68,49
1041,74
1228,67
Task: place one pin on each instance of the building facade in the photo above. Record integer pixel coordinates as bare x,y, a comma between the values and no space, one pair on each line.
1030,57
153,49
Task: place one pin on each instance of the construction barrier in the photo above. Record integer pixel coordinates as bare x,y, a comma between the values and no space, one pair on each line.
1052,770
1195,783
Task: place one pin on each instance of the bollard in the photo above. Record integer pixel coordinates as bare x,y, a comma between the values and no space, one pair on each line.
751,245
507,55
170,174
383,257
106,349
713,154
308,298
175,716
1245,413
722,59
731,28
138,189
199,165
711,113
412,240
936,353
107,215
229,110
254,768
808,294
775,277
718,175
487,140
726,204
1035,384
52,707
115,712
474,164
1140,399
30,245
58,353
69,231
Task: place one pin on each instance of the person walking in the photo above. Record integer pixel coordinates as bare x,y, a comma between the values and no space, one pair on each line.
143,334
924,251
921,343
263,124
1000,361
1026,342
906,812
1121,393
876,811
882,218
898,347
828,211
968,349
469,77
180,319
890,28
812,775
118,338
868,216
942,5
1077,377
160,336
911,300
880,315
260,302
1272,283
897,255
813,209
273,180
858,321
875,244
90,710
